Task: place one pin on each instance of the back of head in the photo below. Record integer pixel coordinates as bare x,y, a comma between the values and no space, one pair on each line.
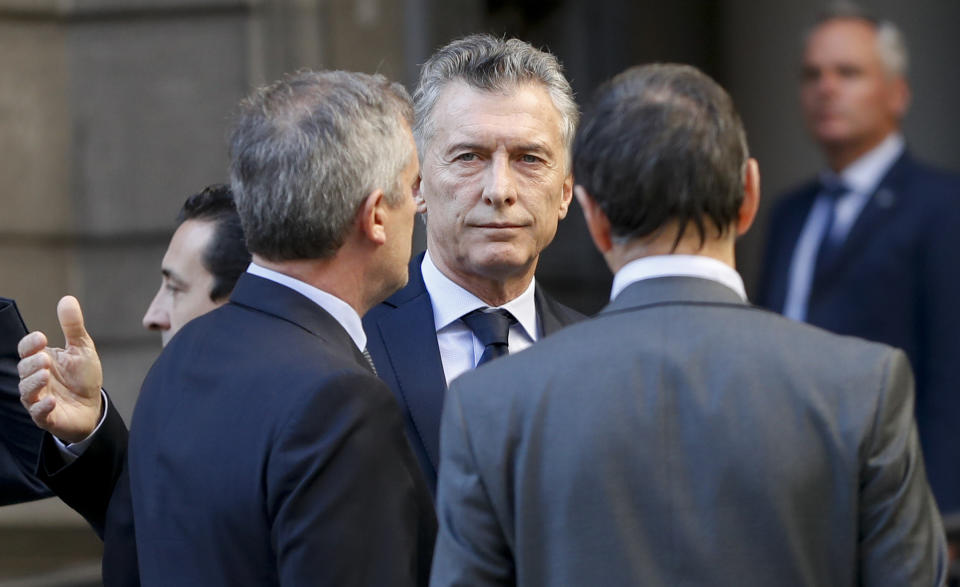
662,146
494,65
226,256
306,150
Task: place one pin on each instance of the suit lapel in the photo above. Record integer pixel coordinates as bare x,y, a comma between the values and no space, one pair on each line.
267,296
791,222
552,315
410,344
410,356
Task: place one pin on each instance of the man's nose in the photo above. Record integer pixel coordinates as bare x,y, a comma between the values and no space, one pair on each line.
500,185
158,314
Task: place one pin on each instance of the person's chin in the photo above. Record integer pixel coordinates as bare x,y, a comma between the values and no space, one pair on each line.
502,258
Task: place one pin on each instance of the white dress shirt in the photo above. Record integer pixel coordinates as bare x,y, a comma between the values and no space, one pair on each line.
861,179
460,350
678,266
341,311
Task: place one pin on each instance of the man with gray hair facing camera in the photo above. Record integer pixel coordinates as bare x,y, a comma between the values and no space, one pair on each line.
263,449
681,436
495,121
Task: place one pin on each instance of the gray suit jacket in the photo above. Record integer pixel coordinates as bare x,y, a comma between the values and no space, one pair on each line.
682,437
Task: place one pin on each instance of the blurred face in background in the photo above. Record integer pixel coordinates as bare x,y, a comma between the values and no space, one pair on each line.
850,100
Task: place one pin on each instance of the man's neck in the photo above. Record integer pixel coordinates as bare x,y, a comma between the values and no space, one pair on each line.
494,290
333,276
721,249
841,155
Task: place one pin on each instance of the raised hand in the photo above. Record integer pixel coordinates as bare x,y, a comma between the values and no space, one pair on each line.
61,387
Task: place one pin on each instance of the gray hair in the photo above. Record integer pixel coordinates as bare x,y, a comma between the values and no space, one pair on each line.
491,64
305,152
891,45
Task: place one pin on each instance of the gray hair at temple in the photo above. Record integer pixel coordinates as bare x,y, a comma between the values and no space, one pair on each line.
491,64
891,45
306,151
662,145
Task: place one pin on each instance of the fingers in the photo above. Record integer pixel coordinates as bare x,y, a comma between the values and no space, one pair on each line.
34,363
40,412
31,344
32,387
71,322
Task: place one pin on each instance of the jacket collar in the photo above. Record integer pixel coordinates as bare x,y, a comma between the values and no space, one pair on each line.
672,290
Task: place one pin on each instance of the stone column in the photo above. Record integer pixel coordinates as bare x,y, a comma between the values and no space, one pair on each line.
112,112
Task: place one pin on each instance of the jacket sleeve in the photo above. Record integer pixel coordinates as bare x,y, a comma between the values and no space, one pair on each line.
901,535
87,484
19,436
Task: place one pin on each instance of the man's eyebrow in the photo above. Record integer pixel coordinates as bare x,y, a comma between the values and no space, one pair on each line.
171,275
465,147
534,147
537,147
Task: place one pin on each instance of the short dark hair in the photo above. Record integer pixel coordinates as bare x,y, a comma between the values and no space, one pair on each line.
226,256
662,143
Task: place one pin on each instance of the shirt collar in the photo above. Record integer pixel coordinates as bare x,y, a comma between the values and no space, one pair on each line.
450,301
864,175
677,266
341,311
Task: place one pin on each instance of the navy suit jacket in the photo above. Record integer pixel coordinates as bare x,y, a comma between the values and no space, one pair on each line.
263,451
402,339
19,437
895,280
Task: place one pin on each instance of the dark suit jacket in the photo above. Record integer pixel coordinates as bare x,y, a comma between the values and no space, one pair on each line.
682,437
263,452
19,437
895,280
402,339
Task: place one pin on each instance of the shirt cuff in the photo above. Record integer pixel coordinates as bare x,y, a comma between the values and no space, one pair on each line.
71,451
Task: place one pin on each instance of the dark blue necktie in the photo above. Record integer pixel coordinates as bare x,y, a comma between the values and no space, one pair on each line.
491,329
830,245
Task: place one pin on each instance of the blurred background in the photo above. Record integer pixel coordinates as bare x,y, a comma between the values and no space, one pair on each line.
112,112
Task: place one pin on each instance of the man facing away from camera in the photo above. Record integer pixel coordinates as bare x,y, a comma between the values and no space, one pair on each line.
682,436
263,449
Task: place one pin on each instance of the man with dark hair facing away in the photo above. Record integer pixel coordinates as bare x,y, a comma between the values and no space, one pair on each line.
682,436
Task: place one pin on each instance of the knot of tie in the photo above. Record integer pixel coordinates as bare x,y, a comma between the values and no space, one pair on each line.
834,188
492,329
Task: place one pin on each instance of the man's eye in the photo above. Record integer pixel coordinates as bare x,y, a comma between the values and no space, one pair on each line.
530,159
467,157
849,72
173,289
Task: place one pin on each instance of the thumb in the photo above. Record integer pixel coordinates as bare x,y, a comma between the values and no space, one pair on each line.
71,322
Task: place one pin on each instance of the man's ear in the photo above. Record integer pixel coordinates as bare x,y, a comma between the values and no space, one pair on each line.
751,196
597,222
899,97
372,217
566,197
418,196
